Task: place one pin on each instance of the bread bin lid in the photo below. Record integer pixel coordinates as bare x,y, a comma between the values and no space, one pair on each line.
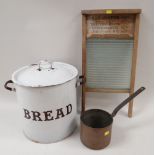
44,74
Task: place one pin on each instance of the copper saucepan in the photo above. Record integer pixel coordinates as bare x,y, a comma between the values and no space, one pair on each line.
96,125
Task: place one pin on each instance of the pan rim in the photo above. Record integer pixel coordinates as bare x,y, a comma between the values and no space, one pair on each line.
109,122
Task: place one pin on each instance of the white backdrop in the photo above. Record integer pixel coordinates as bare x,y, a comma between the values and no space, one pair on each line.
31,30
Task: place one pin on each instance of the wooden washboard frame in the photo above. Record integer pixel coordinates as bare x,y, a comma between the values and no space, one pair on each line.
109,12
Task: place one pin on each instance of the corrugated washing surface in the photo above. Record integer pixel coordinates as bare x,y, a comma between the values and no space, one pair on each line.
108,63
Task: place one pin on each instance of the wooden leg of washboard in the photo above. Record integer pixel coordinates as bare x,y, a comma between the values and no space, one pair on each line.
83,100
130,108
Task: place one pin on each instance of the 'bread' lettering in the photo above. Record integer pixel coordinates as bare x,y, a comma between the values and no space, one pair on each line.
47,115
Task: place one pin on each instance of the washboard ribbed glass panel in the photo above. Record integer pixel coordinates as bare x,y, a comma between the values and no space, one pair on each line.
108,63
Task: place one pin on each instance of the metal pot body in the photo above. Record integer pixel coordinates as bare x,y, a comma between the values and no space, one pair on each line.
49,113
95,138
96,125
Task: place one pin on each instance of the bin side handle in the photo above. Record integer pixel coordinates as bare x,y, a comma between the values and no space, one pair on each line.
7,87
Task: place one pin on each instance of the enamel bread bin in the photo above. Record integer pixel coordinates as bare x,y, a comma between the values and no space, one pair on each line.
46,93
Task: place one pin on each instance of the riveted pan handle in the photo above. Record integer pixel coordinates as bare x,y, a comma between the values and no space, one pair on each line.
126,101
7,87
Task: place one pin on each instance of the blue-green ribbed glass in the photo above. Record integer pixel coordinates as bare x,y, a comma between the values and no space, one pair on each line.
108,63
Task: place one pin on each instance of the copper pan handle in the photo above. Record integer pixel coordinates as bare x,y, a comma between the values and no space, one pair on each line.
127,100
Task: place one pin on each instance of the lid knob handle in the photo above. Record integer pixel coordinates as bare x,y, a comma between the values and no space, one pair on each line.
44,64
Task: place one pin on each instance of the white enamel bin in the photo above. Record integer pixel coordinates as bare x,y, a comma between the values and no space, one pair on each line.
47,95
